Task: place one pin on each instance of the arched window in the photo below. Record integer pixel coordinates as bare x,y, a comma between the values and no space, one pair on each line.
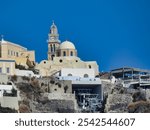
86,75
71,53
51,48
52,56
58,53
69,74
90,66
54,48
64,53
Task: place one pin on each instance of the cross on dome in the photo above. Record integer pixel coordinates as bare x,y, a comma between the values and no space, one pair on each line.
2,39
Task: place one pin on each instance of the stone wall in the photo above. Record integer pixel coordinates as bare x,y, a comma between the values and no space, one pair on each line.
54,106
54,102
147,92
53,85
118,103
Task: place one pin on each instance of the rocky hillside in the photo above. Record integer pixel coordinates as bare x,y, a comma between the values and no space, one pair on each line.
124,100
117,99
33,99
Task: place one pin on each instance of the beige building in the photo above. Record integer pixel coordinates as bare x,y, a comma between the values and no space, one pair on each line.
20,54
62,55
7,66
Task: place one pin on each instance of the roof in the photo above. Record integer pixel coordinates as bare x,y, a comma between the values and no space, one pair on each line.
126,69
14,44
67,45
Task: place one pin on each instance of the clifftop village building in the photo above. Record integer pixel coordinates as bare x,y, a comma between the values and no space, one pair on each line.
62,63
62,55
74,80
12,54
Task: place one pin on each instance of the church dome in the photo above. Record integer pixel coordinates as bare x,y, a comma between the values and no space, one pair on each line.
67,45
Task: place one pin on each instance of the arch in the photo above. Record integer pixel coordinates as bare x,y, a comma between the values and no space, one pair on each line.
64,53
71,53
86,76
52,57
69,74
58,53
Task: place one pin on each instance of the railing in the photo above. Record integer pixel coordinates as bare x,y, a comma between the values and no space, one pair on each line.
78,78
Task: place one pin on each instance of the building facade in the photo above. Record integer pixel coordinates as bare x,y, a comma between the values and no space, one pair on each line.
86,87
20,54
62,55
7,66
12,54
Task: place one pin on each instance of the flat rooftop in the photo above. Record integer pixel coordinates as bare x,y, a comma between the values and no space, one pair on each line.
127,69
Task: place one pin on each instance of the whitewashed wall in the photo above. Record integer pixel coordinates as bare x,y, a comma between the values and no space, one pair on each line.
78,72
27,73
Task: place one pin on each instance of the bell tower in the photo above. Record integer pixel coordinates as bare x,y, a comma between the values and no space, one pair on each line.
53,42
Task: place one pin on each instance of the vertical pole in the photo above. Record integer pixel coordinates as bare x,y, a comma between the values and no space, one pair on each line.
123,72
132,73
84,101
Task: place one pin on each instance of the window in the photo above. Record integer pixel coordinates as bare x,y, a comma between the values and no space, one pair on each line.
7,70
64,53
58,53
86,75
71,53
90,67
11,52
69,74
54,47
51,48
8,52
17,54
0,70
60,61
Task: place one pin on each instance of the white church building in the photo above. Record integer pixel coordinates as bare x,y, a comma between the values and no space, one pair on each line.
62,55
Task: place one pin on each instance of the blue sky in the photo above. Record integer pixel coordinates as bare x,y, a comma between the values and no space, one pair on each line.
115,33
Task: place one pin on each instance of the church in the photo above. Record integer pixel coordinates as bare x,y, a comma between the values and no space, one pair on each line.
62,55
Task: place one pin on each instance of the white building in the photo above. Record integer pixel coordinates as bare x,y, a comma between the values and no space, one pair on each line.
27,73
86,86
62,55
5,88
9,101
